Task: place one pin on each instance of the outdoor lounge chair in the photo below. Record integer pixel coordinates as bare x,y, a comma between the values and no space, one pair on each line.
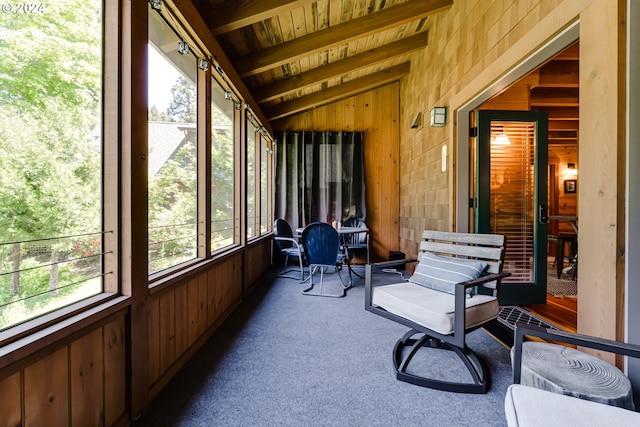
438,305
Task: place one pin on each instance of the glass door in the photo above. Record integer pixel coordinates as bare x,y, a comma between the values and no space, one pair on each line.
511,192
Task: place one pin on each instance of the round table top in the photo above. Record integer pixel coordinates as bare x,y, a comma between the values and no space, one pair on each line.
341,230
565,370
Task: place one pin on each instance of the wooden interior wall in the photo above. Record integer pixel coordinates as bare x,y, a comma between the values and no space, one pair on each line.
376,113
80,382
257,261
182,317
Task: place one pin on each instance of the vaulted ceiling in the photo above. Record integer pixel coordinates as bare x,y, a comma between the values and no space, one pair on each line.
294,55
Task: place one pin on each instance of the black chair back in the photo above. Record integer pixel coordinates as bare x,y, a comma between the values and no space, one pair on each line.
281,228
356,238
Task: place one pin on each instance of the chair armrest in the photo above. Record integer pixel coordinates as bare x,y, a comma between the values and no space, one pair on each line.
485,279
603,344
393,263
288,239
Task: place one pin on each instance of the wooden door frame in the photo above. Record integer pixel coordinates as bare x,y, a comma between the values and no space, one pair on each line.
543,54
632,268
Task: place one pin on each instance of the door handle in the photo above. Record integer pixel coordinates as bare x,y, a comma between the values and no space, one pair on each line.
542,214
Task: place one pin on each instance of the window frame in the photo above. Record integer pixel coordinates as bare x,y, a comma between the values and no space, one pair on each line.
28,336
234,99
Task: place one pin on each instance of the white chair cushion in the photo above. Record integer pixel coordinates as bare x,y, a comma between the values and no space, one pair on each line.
528,406
432,309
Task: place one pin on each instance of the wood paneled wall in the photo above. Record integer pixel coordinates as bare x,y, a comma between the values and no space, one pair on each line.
82,383
377,114
180,316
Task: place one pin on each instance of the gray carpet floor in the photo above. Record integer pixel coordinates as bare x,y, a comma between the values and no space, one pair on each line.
285,359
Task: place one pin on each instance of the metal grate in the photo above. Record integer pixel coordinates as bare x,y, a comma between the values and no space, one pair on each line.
511,314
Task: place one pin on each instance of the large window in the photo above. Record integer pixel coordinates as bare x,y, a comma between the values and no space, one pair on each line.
223,223
252,213
265,212
50,156
173,219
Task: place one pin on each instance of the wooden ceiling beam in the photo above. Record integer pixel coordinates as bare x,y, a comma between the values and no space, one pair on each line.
563,135
230,15
572,53
338,68
564,125
189,14
558,97
563,141
283,53
338,92
561,113
558,74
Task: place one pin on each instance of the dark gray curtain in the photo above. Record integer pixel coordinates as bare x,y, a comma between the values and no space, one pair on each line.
319,177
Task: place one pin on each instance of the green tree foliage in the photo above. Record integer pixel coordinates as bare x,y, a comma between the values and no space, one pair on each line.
183,106
156,115
173,190
173,210
50,153
222,183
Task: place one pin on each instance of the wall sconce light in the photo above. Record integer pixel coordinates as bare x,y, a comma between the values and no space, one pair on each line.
417,121
571,169
438,117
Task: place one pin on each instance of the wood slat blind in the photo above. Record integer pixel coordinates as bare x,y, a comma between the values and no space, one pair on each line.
512,192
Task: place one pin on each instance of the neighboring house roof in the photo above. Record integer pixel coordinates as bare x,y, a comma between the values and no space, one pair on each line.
165,138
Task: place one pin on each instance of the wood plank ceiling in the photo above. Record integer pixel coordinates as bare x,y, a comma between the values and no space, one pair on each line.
295,55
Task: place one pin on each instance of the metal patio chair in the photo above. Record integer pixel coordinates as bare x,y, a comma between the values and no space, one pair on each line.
288,247
322,250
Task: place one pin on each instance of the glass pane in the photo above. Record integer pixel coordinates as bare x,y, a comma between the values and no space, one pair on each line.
252,219
512,194
264,190
50,158
172,149
222,169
